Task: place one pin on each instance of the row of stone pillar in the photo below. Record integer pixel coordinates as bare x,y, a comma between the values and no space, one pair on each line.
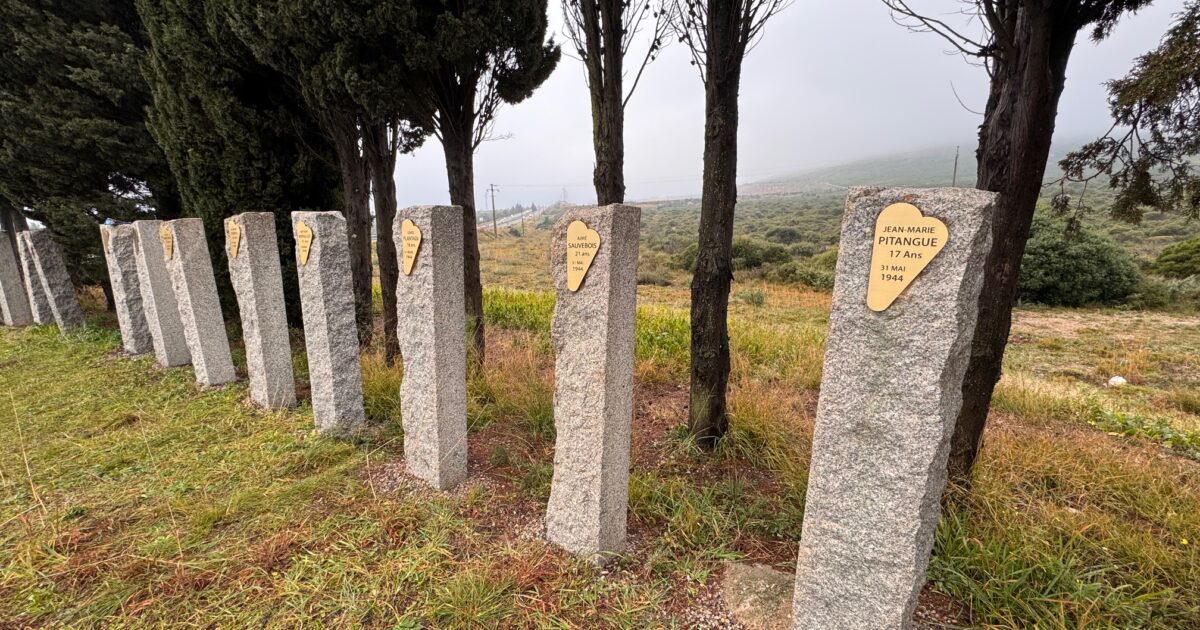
910,271
166,303
35,287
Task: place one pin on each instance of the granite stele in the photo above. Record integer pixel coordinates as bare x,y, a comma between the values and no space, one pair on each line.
594,254
186,251
430,315
158,297
253,252
117,243
909,272
330,332
39,304
56,284
14,300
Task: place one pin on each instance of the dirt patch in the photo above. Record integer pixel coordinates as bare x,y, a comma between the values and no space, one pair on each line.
1068,324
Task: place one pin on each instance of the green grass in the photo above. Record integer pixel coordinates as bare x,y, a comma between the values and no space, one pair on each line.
130,498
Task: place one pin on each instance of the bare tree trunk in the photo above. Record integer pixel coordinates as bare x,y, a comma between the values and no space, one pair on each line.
604,68
1014,144
382,158
355,191
714,266
460,171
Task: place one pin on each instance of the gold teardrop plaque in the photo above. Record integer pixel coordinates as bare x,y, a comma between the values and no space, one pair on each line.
104,238
233,236
582,245
410,239
905,243
304,239
168,241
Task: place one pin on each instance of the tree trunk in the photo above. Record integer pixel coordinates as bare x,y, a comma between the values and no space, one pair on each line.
604,69
460,171
355,191
382,159
1014,144
714,266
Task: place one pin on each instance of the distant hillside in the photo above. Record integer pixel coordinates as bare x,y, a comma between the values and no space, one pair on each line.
925,167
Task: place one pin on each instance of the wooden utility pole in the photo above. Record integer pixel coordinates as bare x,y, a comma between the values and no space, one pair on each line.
492,190
954,180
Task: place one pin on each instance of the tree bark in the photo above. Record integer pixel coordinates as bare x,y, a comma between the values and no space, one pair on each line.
382,158
602,26
1014,144
355,190
460,171
714,266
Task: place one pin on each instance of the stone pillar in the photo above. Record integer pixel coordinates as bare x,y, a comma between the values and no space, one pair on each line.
39,304
253,252
431,324
56,282
186,250
117,242
593,335
330,333
158,298
14,300
890,393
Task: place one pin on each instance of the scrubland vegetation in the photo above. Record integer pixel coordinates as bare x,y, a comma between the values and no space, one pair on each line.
127,497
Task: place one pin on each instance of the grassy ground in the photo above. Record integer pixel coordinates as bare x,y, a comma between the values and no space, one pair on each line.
127,497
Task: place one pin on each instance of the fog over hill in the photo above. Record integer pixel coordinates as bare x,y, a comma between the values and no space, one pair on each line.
933,166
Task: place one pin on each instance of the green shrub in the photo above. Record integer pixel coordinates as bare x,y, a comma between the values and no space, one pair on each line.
753,297
804,274
752,253
784,235
1155,292
1181,260
653,277
748,253
1074,268
686,259
826,259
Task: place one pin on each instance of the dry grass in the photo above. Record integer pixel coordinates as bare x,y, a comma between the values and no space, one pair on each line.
129,498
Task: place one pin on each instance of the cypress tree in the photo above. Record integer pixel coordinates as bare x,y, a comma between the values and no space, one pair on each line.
476,55
74,147
347,60
235,132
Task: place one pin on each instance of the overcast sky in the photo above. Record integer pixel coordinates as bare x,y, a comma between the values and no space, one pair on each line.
831,81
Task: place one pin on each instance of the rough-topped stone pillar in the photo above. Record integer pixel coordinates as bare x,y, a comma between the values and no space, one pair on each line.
330,332
594,255
117,242
909,272
158,297
431,323
56,282
253,252
14,300
186,250
39,304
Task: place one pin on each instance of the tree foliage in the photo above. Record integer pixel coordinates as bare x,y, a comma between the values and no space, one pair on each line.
235,131
474,56
74,147
349,61
1149,155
